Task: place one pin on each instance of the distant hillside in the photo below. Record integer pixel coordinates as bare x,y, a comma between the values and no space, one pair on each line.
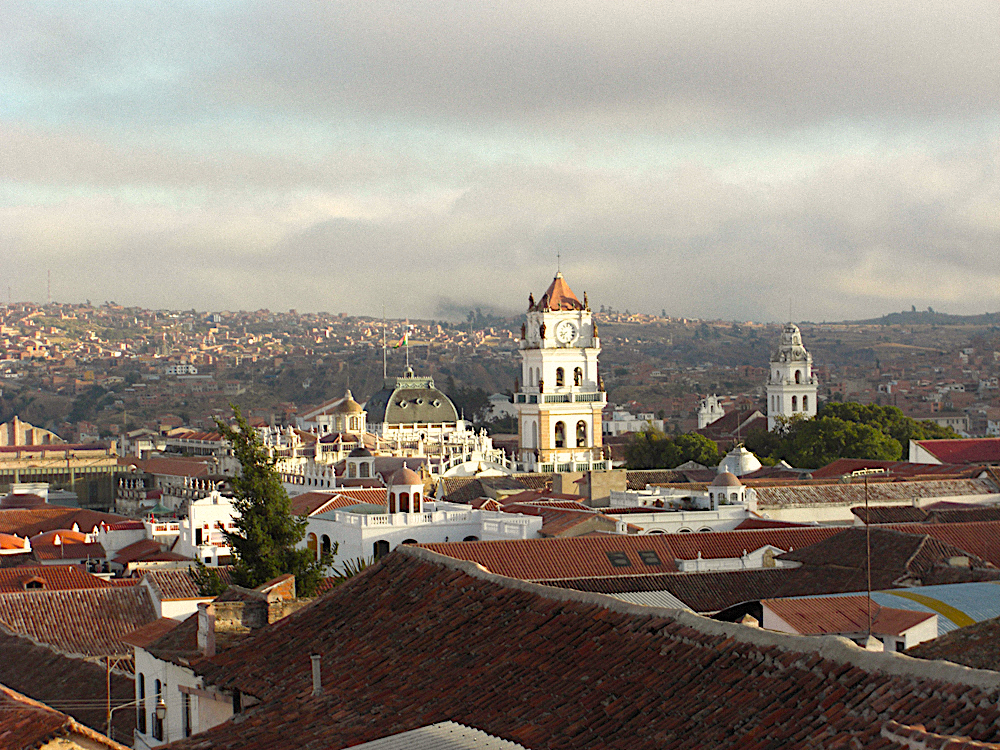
930,317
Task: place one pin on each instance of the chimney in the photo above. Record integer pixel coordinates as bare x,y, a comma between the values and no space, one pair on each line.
317,677
206,630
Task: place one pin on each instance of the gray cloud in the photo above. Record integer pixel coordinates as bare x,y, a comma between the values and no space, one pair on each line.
714,159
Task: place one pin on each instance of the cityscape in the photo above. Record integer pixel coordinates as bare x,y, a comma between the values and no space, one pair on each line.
451,377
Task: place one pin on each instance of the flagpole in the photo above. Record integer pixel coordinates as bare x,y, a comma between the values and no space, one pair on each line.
384,360
406,341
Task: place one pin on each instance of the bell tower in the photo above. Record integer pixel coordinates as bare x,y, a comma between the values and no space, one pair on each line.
791,386
561,395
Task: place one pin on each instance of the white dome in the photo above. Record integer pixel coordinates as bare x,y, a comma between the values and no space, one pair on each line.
739,461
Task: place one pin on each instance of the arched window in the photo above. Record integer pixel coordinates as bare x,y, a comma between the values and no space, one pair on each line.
538,376
392,502
311,544
581,434
578,376
352,470
798,376
560,435
364,470
380,548
534,434
157,722
409,541
140,709
560,377
795,403
404,502
734,497
327,547
805,403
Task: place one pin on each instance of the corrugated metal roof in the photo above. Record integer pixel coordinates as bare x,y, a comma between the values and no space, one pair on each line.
652,599
446,735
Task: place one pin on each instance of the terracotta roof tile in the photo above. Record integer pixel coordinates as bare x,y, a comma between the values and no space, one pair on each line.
29,522
48,577
843,614
420,639
976,646
30,724
967,451
88,622
174,584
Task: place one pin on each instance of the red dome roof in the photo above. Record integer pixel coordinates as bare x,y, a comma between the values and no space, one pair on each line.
405,477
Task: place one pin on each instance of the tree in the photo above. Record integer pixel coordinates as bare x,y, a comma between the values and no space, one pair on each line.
266,534
653,449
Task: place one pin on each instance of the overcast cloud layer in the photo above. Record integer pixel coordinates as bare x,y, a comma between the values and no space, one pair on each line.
741,160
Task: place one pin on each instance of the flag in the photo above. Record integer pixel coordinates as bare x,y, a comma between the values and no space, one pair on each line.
405,340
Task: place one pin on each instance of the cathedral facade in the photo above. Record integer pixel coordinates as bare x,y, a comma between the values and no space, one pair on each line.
791,386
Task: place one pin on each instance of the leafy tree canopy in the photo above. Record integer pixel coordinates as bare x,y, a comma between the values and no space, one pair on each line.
653,449
264,540
843,430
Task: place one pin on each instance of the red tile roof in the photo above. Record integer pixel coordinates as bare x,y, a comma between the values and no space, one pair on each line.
844,615
878,491
29,522
84,551
173,467
846,466
88,622
420,638
587,557
172,584
559,297
144,549
52,578
967,451
980,538
150,632
29,724
314,503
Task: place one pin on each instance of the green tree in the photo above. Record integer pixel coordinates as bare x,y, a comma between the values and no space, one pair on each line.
266,534
697,448
650,449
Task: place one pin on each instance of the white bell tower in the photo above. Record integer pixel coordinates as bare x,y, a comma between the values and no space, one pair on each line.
791,386
561,396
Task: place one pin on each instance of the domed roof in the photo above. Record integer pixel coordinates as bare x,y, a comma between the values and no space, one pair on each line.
66,536
405,477
410,400
740,461
347,405
725,479
22,501
360,452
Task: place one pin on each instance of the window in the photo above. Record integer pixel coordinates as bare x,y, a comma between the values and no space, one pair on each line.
560,377
581,434
352,470
186,698
327,547
404,502
578,376
140,709
392,502
798,376
364,470
805,403
157,722
795,403
380,548
560,435
311,543
649,557
409,541
197,537
619,559
471,539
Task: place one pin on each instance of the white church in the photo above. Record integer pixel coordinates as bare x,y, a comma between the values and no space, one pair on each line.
791,386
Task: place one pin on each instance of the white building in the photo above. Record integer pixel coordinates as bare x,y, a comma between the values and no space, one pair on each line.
622,421
722,506
201,536
365,531
791,386
710,410
180,369
739,461
561,397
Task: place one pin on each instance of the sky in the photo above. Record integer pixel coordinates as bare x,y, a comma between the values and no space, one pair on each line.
730,159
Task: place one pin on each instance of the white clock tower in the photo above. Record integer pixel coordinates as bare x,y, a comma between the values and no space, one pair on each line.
791,386
561,396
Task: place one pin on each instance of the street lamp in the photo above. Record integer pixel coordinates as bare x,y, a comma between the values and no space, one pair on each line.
161,710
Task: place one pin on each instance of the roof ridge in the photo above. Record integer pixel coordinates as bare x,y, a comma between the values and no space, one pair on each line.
834,648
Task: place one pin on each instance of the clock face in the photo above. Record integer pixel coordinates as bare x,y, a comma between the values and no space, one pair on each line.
565,332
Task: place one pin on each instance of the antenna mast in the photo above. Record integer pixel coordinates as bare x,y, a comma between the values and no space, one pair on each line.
384,360
868,556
